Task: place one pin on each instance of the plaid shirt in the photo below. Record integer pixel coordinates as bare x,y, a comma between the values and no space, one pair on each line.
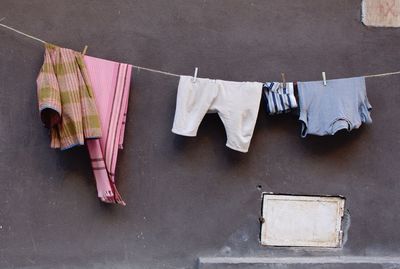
66,100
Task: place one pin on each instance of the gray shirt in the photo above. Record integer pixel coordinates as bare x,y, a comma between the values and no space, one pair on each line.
341,104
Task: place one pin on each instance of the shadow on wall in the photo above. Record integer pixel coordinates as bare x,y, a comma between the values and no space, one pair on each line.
212,128
328,144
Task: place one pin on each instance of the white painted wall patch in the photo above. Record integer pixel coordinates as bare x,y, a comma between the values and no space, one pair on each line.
381,13
293,220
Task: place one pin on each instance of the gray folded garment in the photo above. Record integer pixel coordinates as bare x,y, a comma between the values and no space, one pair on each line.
341,104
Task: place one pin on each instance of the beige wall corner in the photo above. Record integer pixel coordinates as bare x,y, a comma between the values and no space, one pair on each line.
381,13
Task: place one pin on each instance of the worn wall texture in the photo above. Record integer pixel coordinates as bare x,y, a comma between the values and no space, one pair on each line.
193,197
381,13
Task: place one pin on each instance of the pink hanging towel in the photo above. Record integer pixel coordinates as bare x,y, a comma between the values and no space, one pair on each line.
111,84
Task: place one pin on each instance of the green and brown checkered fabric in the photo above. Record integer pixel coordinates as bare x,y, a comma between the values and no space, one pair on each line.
66,100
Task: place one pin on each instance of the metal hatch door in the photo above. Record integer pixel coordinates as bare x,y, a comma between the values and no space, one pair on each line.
294,220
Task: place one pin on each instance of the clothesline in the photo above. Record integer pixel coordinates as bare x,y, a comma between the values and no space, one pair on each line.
160,71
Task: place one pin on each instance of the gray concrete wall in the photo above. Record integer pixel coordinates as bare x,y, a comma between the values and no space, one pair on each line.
193,197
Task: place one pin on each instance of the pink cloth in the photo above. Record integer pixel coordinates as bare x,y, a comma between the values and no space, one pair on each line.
111,84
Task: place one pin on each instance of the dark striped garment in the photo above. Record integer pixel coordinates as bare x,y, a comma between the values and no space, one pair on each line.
279,99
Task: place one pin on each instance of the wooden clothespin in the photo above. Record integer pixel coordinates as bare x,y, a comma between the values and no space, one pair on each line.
283,80
324,78
84,50
195,74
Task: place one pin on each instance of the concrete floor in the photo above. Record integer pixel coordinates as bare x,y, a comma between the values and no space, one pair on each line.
193,197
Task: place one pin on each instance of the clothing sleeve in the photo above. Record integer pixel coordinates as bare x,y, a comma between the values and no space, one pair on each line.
48,92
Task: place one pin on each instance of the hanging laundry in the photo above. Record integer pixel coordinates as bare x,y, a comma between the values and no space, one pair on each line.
77,94
66,101
236,103
111,85
341,104
279,98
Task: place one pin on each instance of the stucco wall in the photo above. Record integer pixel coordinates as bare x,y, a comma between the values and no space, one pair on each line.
192,197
